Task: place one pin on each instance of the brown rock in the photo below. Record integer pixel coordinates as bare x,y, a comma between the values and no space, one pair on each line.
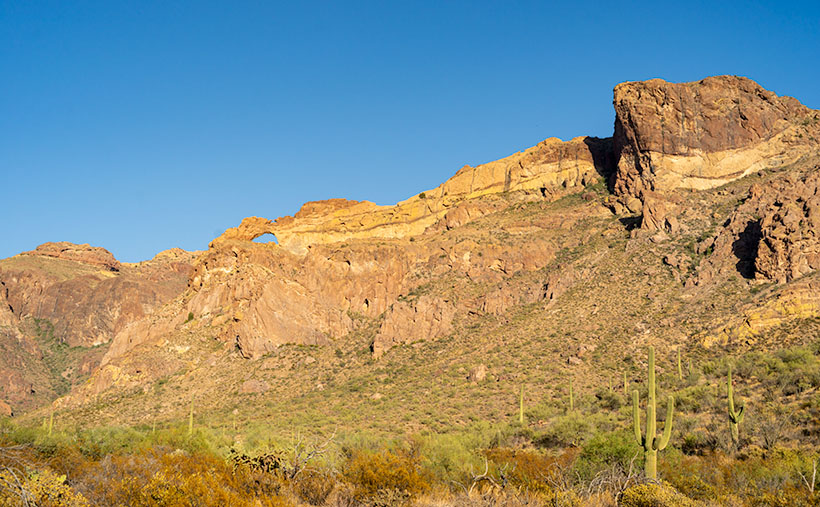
771,236
701,134
254,386
406,322
85,254
5,409
478,373
86,305
789,246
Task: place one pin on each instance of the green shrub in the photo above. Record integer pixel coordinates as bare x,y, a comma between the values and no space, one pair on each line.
606,449
609,400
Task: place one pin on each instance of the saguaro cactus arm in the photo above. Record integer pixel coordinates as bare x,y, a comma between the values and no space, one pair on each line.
667,427
636,419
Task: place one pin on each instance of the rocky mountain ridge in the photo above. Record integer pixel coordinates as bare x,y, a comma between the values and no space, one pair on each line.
498,237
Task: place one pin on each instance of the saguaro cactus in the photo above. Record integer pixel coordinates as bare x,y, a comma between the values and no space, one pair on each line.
651,444
571,397
735,417
680,370
521,406
191,420
626,385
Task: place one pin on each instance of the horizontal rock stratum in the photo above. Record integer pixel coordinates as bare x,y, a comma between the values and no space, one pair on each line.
550,165
694,135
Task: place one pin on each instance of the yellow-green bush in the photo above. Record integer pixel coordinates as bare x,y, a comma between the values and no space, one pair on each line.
40,487
654,495
388,473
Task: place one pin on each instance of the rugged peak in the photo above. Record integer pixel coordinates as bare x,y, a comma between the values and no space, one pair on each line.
84,253
702,134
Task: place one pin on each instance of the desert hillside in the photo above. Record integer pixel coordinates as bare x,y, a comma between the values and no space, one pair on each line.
693,229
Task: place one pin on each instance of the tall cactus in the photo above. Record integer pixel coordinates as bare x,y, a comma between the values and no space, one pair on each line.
191,420
521,406
735,417
571,397
650,443
680,370
626,385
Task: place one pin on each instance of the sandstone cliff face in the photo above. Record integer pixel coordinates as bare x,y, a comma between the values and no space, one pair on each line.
547,169
703,134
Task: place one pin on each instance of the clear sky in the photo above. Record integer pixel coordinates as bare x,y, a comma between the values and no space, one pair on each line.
140,126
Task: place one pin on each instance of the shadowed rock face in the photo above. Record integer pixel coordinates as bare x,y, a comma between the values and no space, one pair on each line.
790,219
771,236
702,134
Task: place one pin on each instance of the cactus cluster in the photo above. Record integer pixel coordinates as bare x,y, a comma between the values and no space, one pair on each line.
651,444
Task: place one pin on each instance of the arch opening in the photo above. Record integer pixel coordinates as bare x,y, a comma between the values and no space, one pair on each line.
266,238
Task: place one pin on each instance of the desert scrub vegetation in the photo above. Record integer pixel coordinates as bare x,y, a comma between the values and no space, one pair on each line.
586,455
496,465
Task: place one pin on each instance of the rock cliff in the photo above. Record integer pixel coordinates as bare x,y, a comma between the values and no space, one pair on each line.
704,134
75,297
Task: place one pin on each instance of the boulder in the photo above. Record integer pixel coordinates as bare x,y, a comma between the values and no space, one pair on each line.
254,386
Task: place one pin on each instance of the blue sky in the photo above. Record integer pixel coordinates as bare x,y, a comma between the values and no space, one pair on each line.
141,126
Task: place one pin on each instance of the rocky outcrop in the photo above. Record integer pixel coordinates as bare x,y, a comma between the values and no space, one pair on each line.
76,295
546,170
88,301
340,265
406,322
250,229
771,236
86,254
789,246
703,134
